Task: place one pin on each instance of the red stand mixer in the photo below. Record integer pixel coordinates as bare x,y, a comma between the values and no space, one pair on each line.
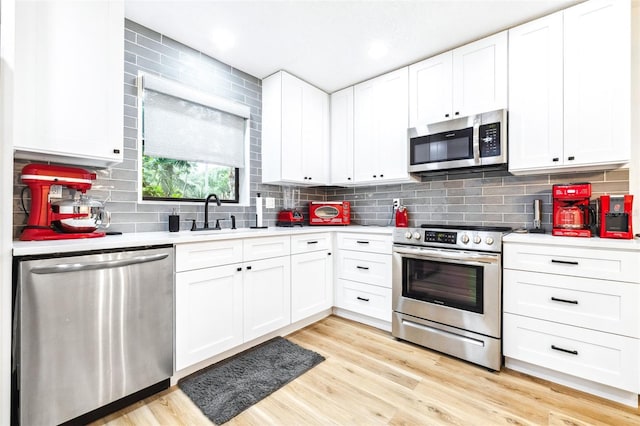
66,219
572,214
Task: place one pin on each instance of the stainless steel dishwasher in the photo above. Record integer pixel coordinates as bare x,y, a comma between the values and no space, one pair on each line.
89,330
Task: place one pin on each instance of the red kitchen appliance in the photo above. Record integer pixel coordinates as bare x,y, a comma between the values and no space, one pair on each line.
572,214
290,217
329,213
615,216
402,217
66,219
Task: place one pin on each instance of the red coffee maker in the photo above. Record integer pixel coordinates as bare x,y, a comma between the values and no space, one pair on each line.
615,216
44,222
572,214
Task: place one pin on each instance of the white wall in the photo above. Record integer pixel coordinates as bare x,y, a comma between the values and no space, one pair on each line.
7,26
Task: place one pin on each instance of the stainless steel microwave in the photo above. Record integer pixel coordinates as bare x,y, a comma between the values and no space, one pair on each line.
474,141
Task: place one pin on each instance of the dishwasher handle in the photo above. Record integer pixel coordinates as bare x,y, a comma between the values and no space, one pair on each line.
92,266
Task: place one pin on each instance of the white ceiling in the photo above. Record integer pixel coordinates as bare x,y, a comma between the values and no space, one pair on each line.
326,42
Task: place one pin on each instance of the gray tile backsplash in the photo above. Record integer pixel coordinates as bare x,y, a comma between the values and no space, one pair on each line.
488,197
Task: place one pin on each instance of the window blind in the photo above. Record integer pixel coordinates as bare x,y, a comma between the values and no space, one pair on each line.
181,123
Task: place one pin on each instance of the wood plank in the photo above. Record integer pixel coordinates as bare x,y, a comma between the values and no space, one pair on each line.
371,378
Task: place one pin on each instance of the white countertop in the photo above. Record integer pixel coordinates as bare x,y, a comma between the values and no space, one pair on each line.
27,248
595,242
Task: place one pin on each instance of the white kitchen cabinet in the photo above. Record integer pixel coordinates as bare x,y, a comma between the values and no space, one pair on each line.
468,80
68,81
209,314
380,128
569,90
597,89
570,315
342,137
229,292
311,283
536,93
295,131
363,278
267,296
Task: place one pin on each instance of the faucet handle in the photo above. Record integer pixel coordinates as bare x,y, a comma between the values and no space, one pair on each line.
193,225
233,222
218,224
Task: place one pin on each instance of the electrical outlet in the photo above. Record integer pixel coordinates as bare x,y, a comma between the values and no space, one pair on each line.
270,202
396,203
55,191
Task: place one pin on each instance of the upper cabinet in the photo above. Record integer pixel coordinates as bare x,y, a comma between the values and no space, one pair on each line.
342,137
380,128
68,86
569,89
468,80
295,131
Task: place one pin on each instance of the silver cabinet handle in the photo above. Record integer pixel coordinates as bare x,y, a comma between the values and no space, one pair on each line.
73,267
443,254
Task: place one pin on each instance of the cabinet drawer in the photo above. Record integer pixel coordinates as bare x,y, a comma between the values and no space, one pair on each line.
364,299
600,357
266,247
368,268
206,254
310,242
582,262
607,306
365,242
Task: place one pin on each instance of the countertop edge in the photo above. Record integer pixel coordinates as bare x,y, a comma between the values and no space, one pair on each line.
594,242
138,239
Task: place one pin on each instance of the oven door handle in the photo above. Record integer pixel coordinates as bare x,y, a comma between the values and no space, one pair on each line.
421,252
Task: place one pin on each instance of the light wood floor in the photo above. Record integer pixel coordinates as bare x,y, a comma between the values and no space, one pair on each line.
369,378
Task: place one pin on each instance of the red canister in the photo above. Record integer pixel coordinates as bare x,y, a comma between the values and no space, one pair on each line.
402,217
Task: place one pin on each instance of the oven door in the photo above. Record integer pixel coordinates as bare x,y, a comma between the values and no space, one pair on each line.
453,287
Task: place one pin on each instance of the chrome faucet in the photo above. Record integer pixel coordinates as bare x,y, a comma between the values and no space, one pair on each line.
206,209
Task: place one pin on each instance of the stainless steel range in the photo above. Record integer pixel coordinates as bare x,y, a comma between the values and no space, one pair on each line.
447,290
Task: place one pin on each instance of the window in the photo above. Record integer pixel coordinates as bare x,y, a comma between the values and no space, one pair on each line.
193,144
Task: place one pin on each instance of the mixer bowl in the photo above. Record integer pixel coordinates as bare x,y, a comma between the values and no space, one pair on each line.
95,216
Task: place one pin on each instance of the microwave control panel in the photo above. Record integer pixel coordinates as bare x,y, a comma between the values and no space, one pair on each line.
489,138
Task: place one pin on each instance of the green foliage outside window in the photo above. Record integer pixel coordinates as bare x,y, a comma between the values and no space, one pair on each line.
169,179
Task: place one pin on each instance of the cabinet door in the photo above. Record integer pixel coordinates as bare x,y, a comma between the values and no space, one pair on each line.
267,296
311,284
393,115
430,90
480,76
365,142
315,136
68,81
535,94
380,128
292,130
208,313
342,136
597,82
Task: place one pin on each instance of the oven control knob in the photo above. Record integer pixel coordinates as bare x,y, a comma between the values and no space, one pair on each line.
464,238
408,235
416,235
489,240
477,239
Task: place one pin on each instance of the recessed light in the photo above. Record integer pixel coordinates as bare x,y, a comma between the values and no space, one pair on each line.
223,39
378,49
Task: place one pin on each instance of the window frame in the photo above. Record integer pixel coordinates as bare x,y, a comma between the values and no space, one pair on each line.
177,89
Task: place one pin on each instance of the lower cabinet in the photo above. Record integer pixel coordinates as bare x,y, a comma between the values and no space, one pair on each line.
208,313
311,284
267,296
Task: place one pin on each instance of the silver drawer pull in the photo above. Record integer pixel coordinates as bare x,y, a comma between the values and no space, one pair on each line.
555,299
568,351
362,298
366,268
564,262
